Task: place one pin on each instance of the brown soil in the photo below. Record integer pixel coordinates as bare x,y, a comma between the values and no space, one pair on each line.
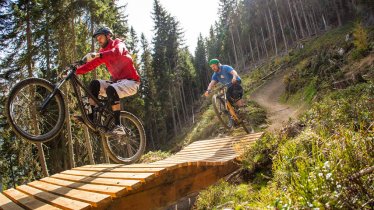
268,96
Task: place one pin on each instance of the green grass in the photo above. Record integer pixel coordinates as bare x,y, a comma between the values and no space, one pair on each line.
154,156
303,96
332,38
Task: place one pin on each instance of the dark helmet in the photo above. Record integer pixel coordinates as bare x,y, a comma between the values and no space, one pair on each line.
102,30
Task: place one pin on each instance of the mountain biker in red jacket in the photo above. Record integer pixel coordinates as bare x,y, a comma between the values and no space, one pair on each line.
124,81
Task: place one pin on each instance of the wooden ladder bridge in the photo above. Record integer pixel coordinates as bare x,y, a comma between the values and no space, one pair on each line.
138,186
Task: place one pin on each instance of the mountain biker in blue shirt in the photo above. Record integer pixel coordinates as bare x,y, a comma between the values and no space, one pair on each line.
227,76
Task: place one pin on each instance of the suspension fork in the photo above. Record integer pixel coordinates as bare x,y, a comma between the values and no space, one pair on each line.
232,111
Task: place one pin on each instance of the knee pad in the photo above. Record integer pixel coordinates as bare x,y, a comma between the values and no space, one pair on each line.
112,95
95,87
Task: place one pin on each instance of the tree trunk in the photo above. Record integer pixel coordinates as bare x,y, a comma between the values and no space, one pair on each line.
250,46
48,53
269,30
241,51
264,42
150,136
337,10
184,104
293,20
258,47
173,112
93,43
68,122
274,33
88,145
87,139
68,127
305,18
30,70
234,47
299,20
177,105
324,22
314,23
281,26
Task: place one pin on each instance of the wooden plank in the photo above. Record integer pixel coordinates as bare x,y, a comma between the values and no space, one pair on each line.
178,165
202,156
112,175
207,158
225,141
27,201
95,199
7,204
129,184
209,151
54,200
188,164
204,144
228,139
141,165
113,191
218,145
156,171
228,152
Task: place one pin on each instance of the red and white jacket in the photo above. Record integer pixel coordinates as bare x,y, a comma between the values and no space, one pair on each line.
117,60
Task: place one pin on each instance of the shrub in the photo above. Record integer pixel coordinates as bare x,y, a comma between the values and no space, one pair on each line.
360,41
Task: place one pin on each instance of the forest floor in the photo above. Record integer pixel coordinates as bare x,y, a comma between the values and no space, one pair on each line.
268,96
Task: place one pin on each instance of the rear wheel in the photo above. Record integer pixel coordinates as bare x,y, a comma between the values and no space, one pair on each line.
221,111
129,147
23,110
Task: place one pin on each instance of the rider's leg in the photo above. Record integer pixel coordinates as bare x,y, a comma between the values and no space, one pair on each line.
116,106
94,89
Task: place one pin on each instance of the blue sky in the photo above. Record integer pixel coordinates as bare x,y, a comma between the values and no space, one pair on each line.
195,16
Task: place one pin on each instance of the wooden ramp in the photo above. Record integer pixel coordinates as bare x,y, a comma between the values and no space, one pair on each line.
137,186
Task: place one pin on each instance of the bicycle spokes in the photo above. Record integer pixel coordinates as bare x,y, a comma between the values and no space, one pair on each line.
126,145
26,110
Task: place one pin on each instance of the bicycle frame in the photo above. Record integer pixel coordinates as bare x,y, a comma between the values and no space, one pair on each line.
229,107
76,83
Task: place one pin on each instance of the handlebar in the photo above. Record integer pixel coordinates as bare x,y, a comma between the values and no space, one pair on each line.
76,64
70,70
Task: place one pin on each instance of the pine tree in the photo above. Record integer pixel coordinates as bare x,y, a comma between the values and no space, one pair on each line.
200,63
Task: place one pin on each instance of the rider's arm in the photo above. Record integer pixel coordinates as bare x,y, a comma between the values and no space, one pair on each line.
89,66
235,74
211,85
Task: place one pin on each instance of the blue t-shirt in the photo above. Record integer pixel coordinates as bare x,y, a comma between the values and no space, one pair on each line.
224,76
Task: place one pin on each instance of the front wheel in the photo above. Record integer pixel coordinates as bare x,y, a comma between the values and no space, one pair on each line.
129,147
24,113
221,111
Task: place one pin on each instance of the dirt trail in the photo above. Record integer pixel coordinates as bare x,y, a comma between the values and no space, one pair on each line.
268,96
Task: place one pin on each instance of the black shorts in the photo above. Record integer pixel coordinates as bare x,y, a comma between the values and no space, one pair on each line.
234,93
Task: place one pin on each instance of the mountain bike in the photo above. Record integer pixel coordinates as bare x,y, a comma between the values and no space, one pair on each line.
36,111
227,113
